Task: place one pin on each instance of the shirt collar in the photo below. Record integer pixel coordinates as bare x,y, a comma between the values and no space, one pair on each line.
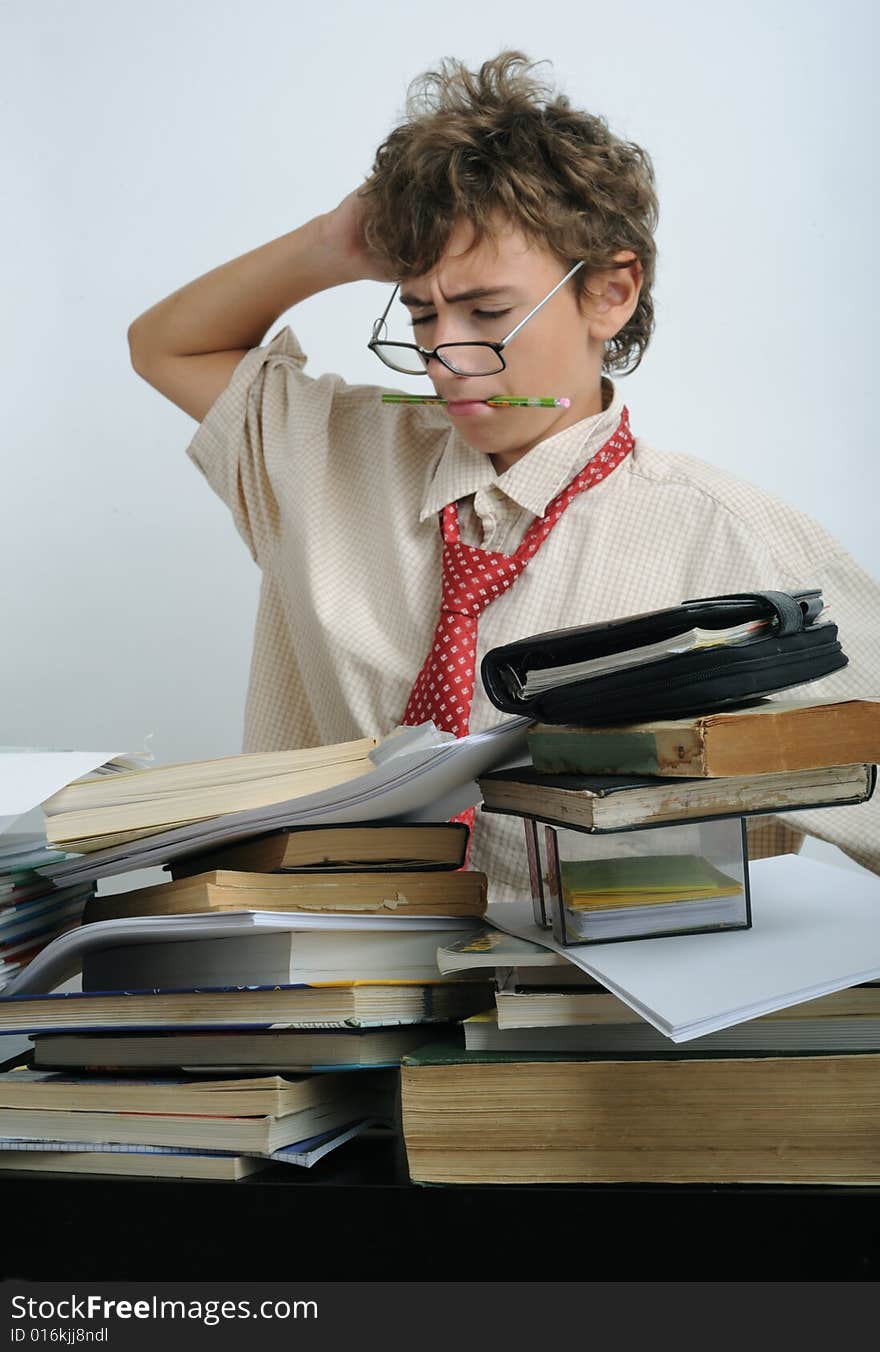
535,480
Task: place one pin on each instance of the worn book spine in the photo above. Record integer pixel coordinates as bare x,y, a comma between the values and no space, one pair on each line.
750,742
562,750
577,801
460,894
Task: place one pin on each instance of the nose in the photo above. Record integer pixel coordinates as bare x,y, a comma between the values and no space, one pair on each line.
443,330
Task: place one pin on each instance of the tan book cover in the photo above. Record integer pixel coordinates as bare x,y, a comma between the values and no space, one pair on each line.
766,738
444,893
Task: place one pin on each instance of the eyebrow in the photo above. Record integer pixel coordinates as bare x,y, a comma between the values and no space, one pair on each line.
479,293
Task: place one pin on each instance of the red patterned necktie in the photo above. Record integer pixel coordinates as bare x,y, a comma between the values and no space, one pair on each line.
472,578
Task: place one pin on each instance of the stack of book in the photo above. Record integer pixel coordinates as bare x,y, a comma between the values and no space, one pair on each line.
293,969
220,1127
560,1080
710,1057
644,825
33,911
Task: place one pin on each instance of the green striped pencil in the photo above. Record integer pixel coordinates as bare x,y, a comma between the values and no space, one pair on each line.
502,401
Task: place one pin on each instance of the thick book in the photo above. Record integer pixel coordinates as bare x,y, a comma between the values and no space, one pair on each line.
93,813
540,1117
767,738
442,893
771,1034
517,1009
297,957
369,1005
130,1159
355,847
340,1100
320,1049
42,1157
231,1096
624,801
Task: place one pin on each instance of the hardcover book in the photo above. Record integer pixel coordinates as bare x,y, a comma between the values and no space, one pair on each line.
620,802
426,893
356,846
769,737
564,1117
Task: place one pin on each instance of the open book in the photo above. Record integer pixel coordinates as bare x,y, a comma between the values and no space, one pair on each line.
415,774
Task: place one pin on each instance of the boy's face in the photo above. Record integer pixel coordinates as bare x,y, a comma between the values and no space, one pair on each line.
558,353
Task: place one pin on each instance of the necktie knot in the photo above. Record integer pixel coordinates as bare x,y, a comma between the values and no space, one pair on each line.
472,578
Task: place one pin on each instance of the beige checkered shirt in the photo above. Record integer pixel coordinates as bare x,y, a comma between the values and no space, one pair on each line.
337,497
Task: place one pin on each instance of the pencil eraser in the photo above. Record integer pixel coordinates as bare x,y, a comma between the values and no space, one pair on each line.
564,403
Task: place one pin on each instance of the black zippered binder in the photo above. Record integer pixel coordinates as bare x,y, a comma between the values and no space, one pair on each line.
793,649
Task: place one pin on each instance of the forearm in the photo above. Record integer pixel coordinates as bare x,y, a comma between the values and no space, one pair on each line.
233,305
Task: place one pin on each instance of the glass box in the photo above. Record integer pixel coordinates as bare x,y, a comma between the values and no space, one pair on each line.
687,878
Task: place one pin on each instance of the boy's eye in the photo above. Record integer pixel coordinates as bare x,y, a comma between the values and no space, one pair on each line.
479,314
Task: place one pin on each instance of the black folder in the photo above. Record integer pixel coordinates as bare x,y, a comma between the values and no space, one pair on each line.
792,648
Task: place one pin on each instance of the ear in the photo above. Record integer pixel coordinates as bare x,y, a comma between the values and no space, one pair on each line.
612,296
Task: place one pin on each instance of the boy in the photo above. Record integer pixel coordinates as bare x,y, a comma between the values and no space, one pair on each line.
520,232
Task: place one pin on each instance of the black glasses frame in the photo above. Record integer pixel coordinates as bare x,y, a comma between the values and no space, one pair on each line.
379,326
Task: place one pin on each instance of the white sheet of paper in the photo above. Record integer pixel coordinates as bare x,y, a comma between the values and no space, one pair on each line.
29,776
815,929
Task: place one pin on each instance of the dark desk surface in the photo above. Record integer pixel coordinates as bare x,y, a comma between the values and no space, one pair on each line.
355,1216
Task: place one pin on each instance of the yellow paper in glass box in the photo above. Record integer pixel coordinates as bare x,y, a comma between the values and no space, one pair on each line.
642,880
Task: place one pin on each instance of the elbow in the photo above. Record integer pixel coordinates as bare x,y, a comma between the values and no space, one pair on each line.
136,346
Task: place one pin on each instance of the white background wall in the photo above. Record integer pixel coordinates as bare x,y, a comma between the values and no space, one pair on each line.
146,145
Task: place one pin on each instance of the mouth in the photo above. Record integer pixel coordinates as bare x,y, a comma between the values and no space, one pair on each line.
468,408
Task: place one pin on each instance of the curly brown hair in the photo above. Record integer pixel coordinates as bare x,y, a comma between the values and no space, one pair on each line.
474,143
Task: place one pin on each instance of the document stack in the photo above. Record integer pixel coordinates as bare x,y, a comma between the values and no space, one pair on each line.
750,1057
292,967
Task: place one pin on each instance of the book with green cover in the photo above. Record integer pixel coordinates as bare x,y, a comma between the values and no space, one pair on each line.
769,737
530,1117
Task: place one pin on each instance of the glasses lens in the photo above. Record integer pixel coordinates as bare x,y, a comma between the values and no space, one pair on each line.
470,359
400,357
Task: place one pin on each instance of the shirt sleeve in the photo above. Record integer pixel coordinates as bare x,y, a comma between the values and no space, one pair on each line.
853,600
270,412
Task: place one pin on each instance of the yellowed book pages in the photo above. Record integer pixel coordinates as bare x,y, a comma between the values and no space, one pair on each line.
642,880
766,1119
180,809
192,776
444,893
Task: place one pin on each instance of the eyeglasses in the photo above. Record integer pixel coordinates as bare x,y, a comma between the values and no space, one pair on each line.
464,359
